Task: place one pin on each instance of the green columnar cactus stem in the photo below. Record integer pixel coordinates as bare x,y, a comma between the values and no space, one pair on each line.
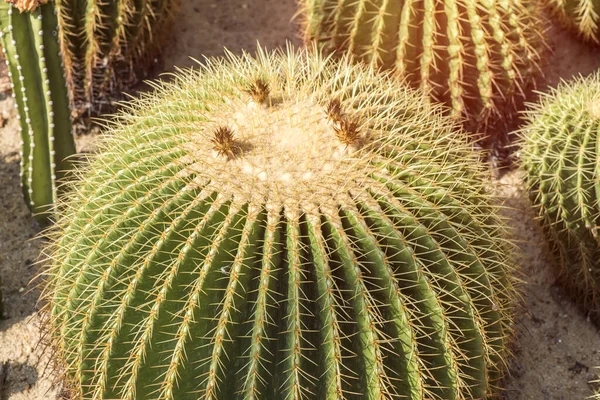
108,44
582,16
284,227
476,56
562,160
34,62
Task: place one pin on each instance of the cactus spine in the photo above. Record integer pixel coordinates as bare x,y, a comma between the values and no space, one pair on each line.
39,89
583,16
476,56
562,160
289,226
108,44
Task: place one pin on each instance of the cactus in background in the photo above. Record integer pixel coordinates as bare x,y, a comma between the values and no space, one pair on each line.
289,226
34,63
478,57
583,16
107,45
561,155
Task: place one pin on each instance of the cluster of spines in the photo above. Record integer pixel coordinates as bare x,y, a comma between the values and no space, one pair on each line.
108,45
39,89
259,90
223,142
561,156
160,286
583,16
346,128
478,57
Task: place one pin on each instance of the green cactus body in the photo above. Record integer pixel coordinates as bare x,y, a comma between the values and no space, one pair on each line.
476,56
29,43
582,16
107,45
562,160
284,227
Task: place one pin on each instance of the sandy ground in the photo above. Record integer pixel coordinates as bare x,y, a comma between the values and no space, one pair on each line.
556,347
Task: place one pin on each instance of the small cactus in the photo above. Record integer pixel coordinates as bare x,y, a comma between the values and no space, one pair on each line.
478,57
232,246
108,44
562,160
582,16
38,86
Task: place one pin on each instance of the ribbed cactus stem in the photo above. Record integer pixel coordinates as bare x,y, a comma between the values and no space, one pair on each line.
476,56
283,227
107,43
582,16
561,154
35,67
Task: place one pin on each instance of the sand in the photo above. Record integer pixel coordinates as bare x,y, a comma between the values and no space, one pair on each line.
556,347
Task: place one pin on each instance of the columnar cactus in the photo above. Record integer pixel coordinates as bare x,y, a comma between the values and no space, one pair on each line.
562,160
283,227
476,56
107,44
38,86
583,16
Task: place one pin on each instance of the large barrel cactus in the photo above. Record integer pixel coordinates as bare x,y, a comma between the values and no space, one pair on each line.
582,16
479,57
31,49
283,227
561,155
107,45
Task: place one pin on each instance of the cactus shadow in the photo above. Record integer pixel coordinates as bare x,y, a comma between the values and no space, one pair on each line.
19,247
15,378
22,373
23,380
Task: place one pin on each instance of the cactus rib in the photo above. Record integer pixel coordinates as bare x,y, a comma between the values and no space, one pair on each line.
582,16
476,56
35,68
108,45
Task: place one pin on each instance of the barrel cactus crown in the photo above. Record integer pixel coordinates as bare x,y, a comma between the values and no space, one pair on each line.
478,57
562,160
582,16
107,45
286,226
